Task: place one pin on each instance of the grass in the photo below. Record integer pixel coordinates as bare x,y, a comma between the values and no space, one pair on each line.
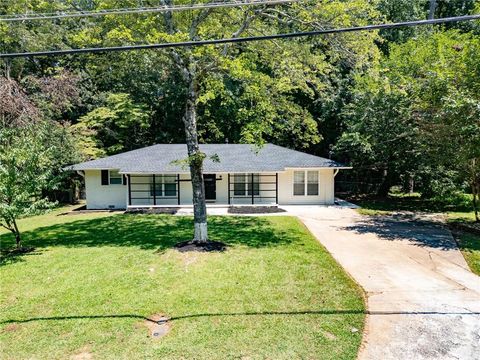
470,246
459,205
94,279
461,216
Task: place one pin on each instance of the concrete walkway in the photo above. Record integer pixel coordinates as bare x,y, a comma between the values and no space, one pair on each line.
423,301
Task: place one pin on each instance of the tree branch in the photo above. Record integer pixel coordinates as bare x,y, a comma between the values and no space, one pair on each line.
168,17
6,227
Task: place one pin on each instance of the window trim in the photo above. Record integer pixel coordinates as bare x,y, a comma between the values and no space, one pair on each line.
120,176
306,183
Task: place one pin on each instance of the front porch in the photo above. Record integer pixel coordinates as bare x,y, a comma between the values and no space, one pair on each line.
221,189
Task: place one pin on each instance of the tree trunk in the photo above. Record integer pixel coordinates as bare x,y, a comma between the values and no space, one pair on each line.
411,184
385,185
196,158
16,232
476,195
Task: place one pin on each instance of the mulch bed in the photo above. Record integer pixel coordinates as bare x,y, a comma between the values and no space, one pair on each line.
163,210
255,210
83,210
209,246
473,228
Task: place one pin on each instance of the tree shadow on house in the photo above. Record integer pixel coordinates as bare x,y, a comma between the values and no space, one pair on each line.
150,232
420,233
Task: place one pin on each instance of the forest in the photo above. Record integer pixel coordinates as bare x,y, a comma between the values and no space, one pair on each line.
401,106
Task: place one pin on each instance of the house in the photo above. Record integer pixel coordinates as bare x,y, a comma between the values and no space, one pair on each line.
233,174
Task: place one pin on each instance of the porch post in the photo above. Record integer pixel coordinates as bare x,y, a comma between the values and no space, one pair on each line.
154,191
276,188
228,188
253,192
129,190
178,189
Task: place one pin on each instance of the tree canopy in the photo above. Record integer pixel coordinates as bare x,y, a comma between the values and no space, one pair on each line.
400,105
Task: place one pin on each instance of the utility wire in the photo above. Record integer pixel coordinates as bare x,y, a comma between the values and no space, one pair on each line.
243,39
98,13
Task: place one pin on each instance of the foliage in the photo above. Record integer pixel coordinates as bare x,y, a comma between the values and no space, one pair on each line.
25,170
418,118
457,203
248,93
275,293
380,101
120,125
446,104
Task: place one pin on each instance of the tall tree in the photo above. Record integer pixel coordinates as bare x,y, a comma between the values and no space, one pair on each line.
264,80
441,74
33,148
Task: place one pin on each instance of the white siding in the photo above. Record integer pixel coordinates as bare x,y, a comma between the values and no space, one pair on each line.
325,192
103,196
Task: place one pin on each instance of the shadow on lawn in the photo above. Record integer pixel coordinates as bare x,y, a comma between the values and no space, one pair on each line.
255,313
158,232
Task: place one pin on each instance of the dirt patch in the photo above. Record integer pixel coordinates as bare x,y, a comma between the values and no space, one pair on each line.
163,210
329,335
11,327
158,326
255,210
200,246
82,354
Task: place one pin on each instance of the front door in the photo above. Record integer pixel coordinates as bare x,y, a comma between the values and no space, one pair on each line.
210,181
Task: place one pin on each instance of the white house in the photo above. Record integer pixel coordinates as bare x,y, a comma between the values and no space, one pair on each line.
155,176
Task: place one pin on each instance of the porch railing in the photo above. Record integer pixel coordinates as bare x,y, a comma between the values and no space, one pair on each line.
252,185
144,187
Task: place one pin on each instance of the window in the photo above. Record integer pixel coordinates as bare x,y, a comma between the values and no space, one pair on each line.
115,178
239,184
165,186
242,184
312,182
158,187
170,185
299,183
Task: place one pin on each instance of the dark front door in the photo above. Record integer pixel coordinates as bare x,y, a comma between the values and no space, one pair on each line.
210,186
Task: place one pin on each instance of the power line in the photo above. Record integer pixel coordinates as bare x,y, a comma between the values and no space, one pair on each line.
98,13
243,39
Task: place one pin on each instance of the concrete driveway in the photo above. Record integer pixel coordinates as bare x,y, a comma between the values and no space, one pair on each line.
422,300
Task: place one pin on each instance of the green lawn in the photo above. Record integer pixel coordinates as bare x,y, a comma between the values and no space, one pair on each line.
93,279
470,246
458,205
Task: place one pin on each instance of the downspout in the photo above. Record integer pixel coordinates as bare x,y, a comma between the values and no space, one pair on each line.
336,172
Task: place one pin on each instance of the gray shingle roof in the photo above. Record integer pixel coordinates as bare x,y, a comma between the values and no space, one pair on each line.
233,158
